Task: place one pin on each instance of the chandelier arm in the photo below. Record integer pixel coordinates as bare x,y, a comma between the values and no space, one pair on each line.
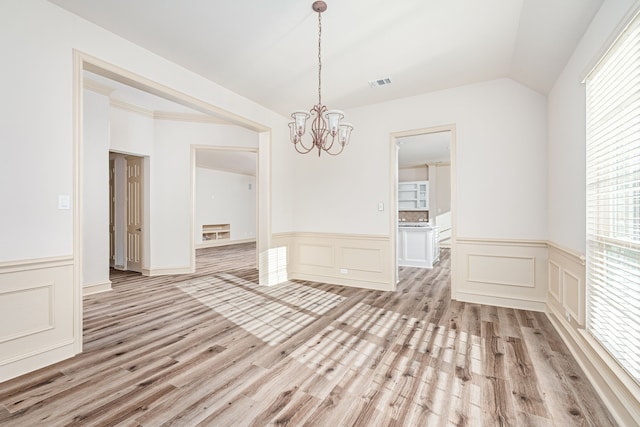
337,152
326,147
298,143
305,150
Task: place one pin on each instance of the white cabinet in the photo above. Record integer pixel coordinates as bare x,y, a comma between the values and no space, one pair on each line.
418,246
413,196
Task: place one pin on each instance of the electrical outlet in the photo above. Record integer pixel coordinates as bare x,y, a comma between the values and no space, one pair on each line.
568,315
344,271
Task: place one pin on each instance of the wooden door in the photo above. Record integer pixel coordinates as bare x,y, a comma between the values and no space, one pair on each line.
135,213
112,213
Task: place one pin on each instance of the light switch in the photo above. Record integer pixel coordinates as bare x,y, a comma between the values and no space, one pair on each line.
64,202
380,206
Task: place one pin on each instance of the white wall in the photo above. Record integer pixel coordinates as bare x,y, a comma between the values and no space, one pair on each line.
413,174
501,163
442,188
567,118
566,302
131,133
37,133
225,198
95,232
171,184
37,89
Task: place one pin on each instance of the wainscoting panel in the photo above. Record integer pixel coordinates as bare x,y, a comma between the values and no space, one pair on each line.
506,273
30,309
554,280
313,256
362,259
351,260
502,270
568,294
566,308
36,314
573,296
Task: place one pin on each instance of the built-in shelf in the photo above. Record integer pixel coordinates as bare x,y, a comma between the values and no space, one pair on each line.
413,196
215,234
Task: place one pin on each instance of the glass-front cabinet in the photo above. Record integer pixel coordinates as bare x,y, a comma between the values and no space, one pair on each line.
413,196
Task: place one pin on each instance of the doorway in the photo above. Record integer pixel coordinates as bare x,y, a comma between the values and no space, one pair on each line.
82,246
225,196
126,212
423,194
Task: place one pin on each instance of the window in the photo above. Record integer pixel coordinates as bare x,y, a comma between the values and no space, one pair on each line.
613,200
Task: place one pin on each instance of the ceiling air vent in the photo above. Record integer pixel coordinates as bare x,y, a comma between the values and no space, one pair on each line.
380,82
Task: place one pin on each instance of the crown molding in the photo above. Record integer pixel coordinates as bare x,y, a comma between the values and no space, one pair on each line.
94,86
116,103
188,117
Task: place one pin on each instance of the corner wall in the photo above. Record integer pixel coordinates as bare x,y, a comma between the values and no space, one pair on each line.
38,124
566,216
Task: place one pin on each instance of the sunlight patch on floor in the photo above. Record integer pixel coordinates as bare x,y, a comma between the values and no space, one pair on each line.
272,314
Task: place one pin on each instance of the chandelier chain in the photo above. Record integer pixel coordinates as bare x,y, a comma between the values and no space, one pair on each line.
319,58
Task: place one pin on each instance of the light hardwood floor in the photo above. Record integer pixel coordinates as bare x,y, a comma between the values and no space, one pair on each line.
215,349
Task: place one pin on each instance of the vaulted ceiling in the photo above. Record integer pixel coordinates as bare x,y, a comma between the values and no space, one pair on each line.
267,50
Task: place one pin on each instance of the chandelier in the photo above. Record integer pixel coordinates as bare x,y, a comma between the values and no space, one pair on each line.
328,133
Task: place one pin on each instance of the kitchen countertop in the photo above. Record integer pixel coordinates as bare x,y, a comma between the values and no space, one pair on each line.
402,224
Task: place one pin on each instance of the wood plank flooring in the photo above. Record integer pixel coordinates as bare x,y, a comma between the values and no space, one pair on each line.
215,349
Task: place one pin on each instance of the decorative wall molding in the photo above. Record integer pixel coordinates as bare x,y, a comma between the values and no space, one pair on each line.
25,323
503,272
96,288
567,284
188,117
566,308
570,253
116,103
555,280
502,242
35,264
96,87
343,259
43,334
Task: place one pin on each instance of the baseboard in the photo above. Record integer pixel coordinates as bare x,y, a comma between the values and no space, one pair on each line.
166,271
501,301
37,359
96,288
600,369
364,284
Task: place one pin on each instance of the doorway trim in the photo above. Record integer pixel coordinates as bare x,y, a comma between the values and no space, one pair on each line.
83,61
393,197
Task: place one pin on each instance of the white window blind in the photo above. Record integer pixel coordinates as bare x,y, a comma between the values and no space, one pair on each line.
613,201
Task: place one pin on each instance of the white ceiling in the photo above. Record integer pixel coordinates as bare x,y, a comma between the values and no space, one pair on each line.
241,162
418,150
266,50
